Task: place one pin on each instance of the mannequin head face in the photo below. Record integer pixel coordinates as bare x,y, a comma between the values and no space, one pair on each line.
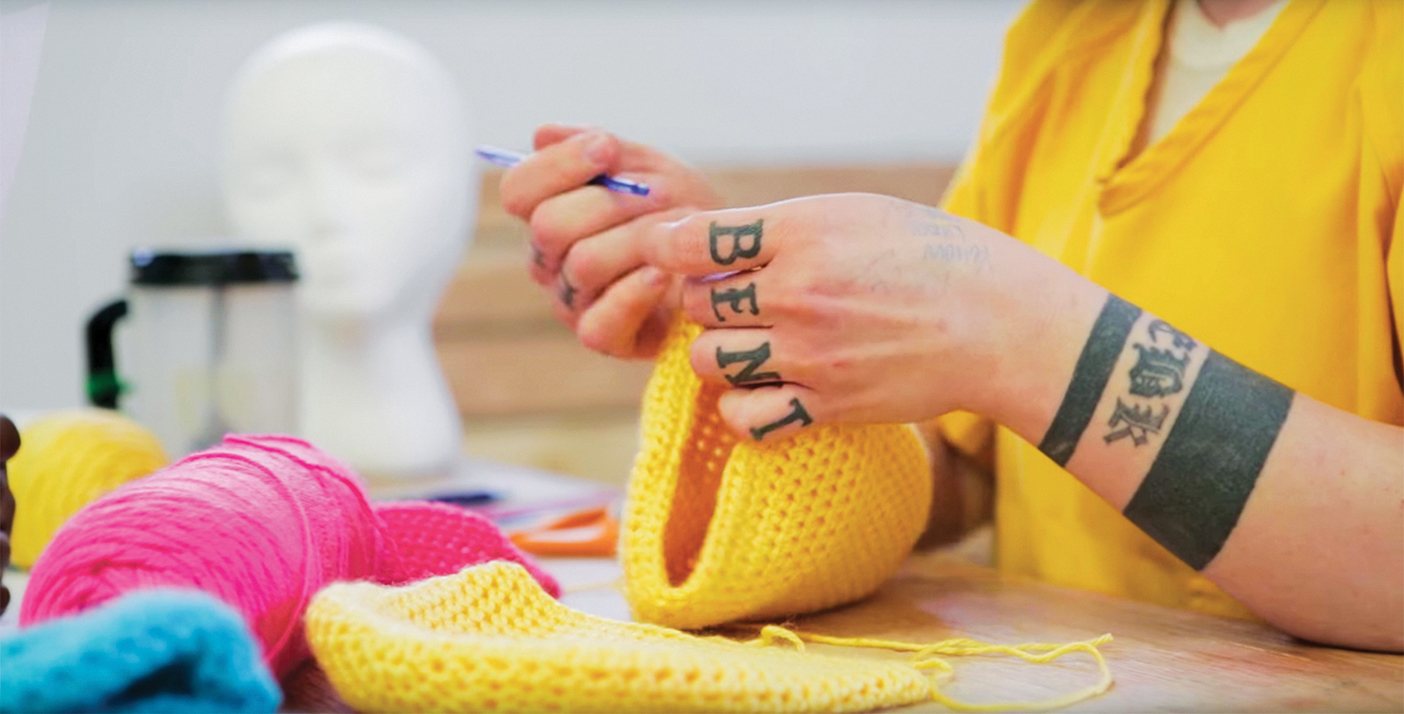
350,145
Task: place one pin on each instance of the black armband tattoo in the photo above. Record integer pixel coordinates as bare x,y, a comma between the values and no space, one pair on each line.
1089,380
1195,491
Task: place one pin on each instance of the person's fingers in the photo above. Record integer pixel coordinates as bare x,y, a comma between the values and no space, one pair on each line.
560,221
591,264
596,262
729,300
745,358
629,320
551,133
719,241
560,167
771,413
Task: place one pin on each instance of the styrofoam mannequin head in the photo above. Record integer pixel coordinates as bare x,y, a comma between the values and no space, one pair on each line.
351,144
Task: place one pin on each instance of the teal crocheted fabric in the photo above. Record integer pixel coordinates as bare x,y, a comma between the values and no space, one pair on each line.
148,651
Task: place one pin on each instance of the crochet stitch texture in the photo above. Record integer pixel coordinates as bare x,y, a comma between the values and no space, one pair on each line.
490,639
148,651
717,529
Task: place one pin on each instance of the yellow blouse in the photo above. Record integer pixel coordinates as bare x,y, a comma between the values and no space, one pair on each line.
1264,223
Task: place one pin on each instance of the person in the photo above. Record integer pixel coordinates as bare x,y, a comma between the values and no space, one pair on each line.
1169,271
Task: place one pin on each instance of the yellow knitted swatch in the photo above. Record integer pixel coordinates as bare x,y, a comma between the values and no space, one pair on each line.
490,639
67,460
717,529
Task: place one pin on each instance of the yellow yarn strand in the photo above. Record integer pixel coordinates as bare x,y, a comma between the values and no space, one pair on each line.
928,656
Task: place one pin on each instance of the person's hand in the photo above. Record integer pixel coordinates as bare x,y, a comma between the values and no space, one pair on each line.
585,239
851,307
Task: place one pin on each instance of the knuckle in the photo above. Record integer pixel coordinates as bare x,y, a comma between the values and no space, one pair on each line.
780,302
582,265
548,231
804,358
696,307
514,200
700,356
594,337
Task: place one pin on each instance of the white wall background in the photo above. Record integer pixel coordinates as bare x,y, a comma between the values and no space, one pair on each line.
121,136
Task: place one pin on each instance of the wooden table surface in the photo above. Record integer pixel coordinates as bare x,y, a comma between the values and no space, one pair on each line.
1162,659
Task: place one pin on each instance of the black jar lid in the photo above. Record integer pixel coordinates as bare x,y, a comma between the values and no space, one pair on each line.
213,267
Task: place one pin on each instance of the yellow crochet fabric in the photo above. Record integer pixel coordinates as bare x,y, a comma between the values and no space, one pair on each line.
718,530
490,639
67,460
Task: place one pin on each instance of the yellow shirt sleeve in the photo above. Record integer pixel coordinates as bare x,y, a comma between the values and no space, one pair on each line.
971,195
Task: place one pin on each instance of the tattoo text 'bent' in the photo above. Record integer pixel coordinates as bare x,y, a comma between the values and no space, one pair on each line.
748,374
797,414
733,297
738,247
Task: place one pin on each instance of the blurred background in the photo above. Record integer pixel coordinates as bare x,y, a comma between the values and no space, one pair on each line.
774,98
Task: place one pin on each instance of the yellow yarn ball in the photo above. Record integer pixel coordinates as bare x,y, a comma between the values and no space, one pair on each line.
718,529
67,460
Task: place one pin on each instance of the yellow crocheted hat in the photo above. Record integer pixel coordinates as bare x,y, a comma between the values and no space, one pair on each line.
490,639
718,530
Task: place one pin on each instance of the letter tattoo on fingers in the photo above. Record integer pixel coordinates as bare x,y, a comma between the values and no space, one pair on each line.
733,297
738,235
797,414
568,292
748,374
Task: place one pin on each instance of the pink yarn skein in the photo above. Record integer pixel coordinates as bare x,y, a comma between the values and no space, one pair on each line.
262,523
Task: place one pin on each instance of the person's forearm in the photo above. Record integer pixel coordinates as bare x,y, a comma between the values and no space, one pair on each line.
1294,507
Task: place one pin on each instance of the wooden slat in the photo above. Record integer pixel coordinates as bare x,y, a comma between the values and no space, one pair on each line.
537,372
492,293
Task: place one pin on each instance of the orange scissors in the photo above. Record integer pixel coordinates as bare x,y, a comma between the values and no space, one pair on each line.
591,532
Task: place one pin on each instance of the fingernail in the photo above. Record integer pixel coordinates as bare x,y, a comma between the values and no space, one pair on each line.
598,149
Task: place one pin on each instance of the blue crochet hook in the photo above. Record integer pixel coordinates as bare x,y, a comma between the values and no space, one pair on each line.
508,159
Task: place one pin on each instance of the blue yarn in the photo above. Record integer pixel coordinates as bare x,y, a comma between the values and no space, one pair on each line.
147,651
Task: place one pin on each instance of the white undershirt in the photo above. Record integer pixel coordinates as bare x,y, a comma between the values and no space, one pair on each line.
1200,54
